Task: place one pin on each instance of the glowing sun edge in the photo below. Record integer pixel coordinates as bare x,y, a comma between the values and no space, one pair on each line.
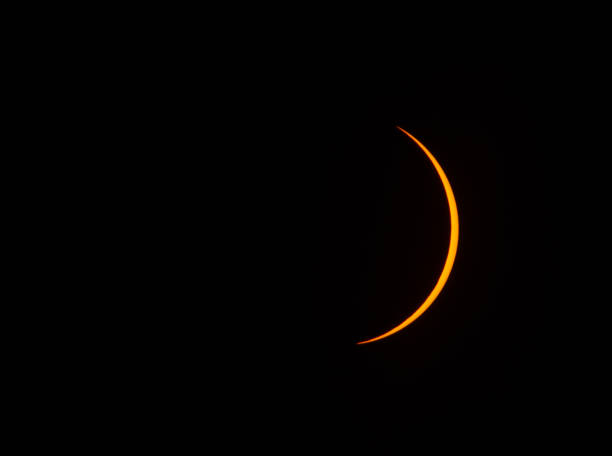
452,249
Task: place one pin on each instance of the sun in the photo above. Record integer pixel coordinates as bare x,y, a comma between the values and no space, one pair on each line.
452,248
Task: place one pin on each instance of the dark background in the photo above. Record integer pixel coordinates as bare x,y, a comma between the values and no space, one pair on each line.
347,232
290,219
364,232
234,208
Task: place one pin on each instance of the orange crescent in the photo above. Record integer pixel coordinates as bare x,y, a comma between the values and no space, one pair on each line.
452,248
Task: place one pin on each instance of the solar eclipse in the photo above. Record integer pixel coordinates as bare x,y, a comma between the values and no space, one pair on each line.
452,249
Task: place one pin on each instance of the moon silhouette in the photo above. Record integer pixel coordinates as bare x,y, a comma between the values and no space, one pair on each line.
452,248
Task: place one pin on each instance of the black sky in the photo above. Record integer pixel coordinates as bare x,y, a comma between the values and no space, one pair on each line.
324,225
371,223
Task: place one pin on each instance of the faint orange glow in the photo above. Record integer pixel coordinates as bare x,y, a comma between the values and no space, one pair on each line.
452,249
